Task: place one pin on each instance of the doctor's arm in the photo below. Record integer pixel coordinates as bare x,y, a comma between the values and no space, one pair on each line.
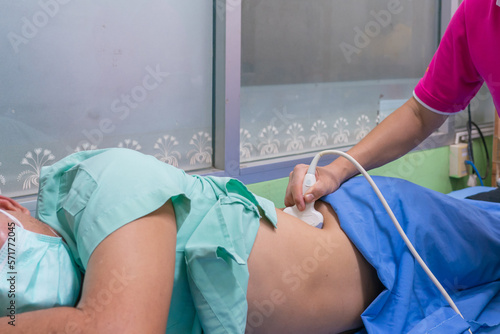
399,133
127,286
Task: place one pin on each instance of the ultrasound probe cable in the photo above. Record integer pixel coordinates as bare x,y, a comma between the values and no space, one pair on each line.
312,170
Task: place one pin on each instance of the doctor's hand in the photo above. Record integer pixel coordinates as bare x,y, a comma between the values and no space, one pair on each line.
326,183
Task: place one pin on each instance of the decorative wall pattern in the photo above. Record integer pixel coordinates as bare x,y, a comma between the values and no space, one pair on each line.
256,144
20,169
135,76
115,88
34,162
202,152
2,180
166,145
282,120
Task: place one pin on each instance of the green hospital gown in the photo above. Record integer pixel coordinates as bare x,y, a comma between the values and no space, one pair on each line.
88,195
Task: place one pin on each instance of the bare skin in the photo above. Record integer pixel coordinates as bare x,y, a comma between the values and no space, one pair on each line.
399,133
307,280
302,279
126,267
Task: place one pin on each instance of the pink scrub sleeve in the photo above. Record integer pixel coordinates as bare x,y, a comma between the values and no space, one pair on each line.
451,79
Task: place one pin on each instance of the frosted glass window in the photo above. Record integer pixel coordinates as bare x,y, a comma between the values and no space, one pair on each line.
315,73
79,75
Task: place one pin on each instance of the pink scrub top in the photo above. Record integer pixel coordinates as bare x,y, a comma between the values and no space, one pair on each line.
468,55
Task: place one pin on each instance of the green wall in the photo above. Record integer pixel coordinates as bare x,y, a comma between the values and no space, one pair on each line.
428,168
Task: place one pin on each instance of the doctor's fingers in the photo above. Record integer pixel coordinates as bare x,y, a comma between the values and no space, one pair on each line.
326,183
294,193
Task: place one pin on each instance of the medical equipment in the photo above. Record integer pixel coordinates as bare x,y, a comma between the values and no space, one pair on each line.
472,180
312,171
310,215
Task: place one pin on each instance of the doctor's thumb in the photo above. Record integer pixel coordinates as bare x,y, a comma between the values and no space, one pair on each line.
313,194
318,190
308,198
